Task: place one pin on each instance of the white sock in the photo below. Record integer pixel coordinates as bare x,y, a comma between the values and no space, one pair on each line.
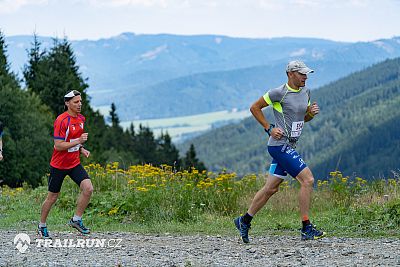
76,218
42,224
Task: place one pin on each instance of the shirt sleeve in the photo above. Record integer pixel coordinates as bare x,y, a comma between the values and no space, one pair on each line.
273,95
309,98
60,128
83,119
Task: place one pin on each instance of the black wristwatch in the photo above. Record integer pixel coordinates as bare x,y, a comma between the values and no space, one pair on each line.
268,131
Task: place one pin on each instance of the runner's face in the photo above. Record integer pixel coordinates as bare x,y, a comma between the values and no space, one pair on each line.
298,79
75,104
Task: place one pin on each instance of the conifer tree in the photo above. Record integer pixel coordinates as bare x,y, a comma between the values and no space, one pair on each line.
146,146
50,75
26,141
167,152
114,116
190,160
6,76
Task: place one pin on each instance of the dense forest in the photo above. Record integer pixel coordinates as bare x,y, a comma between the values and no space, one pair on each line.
28,108
357,130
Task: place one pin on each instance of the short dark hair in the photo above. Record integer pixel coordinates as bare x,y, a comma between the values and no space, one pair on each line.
68,96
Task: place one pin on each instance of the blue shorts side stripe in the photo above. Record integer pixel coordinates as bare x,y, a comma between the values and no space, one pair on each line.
272,168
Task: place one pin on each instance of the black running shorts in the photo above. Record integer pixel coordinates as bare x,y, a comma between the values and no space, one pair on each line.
56,178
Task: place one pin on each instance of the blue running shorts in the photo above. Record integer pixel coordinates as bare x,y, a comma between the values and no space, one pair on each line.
285,160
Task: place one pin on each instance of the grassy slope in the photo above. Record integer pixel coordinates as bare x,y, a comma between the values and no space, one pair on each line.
366,215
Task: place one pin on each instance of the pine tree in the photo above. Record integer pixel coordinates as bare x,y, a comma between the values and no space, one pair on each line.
167,152
31,71
26,141
116,138
114,116
190,160
146,146
50,75
6,76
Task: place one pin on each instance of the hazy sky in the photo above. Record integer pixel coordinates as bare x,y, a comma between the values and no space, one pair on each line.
340,20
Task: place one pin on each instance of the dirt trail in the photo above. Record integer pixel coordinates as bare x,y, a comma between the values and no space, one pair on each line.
130,249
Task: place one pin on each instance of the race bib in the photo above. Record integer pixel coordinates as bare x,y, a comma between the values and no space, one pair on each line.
297,127
74,148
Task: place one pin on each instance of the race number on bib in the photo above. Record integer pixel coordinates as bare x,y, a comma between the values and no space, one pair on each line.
297,127
74,148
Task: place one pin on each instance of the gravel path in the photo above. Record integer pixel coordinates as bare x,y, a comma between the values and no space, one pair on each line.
130,249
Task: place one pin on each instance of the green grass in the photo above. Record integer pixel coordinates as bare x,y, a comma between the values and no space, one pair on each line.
342,207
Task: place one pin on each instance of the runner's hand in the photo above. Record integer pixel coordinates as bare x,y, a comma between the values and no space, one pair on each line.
314,109
83,138
277,133
85,152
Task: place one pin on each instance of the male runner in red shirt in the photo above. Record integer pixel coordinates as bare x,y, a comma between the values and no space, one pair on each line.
69,137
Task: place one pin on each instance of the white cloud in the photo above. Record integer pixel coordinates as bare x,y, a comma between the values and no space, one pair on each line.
93,19
123,3
313,4
9,6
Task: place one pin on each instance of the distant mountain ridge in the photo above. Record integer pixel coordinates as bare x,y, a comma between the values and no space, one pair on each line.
356,132
154,76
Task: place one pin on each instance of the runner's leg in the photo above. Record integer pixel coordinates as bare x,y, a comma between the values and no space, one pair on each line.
79,175
47,204
306,180
55,181
84,198
260,199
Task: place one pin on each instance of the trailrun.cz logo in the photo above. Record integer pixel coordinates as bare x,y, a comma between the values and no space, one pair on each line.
78,243
22,242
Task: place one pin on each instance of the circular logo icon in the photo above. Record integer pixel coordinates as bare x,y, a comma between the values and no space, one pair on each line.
22,242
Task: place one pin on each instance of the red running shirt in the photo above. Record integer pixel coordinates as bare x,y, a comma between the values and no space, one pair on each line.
69,129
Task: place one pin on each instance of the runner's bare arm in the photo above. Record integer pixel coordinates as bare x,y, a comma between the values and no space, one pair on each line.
61,145
256,110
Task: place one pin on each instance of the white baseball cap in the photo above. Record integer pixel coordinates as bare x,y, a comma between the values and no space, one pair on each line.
297,65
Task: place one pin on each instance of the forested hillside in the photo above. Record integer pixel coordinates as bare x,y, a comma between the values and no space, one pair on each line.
163,76
356,132
28,114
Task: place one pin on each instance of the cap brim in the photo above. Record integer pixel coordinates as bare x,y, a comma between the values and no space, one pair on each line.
305,71
70,94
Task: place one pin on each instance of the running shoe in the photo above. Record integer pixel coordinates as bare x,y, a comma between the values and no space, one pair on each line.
79,226
243,229
43,232
311,233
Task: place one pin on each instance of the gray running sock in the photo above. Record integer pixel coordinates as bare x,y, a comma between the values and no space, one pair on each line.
76,218
42,225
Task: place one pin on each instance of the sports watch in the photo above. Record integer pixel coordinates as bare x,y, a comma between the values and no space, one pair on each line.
268,131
